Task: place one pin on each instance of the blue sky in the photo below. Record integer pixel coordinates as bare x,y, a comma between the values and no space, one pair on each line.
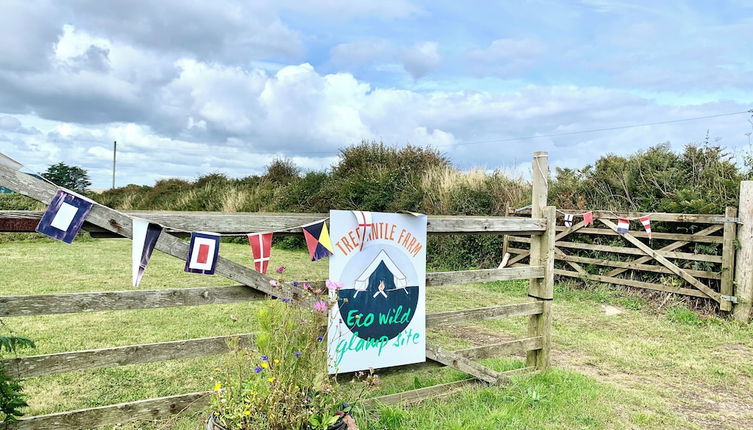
189,88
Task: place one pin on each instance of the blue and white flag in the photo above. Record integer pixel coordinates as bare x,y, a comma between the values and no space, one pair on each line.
64,216
145,235
203,252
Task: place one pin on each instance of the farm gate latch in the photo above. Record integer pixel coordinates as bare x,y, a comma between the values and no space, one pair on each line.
732,299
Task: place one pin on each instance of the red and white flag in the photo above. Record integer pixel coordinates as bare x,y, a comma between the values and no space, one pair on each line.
623,225
588,218
646,221
364,226
261,248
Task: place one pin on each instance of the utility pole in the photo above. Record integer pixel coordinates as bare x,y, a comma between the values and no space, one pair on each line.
114,152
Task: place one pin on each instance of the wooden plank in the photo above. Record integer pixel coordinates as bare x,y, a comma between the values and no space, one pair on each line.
744,262
504,311
670,247
434,279
655,235
45,304
120,223
655,216
566,231
633,251
421,394
149,409
728,259
50,364
633,266
540,325
519,239
248,222
666,263
517,346
560,255
512,262
632,283
457,361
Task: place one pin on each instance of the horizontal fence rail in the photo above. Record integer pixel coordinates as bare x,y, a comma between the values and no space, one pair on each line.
250,222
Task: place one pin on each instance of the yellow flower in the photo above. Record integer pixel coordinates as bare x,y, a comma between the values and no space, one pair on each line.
247,413
217,386
277,361
272,379
264,365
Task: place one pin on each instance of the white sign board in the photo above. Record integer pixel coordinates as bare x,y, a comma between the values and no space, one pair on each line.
380,316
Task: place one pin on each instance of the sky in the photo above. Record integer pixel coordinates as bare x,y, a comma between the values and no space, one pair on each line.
194,87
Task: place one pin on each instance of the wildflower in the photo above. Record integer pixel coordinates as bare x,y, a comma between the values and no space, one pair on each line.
306,286
274,283
217,386
265,365
298,355
280,269
295,283
334,286
258,369
320,306
319,339
286,300
264,358
246,412
272,379
277,361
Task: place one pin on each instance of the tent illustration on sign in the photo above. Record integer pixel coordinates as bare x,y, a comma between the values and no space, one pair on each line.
382,289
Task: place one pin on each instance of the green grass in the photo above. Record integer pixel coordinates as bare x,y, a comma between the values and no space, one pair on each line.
641,368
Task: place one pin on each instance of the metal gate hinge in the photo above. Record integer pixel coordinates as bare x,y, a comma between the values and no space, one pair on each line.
732,299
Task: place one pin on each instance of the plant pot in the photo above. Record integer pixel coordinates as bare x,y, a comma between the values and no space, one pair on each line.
212,424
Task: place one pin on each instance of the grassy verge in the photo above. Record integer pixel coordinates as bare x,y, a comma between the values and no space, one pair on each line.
633,368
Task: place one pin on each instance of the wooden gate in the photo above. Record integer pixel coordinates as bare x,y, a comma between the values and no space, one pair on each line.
255,286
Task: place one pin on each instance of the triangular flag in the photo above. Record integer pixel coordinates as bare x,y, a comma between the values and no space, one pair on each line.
64,216
203,251
646,221
568,220
145,235
588,218
364,226
317,240
261,247
623,225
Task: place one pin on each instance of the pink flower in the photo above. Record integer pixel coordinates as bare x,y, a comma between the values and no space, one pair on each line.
334,286
320,306
306,286
280,269
274,283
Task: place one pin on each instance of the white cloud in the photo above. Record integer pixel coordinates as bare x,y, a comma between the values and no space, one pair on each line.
506,57
421,58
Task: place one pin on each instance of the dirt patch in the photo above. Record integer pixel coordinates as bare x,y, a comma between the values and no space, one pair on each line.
709,407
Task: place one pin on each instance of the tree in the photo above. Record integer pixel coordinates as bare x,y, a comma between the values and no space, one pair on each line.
71,177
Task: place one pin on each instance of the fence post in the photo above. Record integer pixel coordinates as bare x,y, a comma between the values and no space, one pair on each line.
541,254
728,258
744,260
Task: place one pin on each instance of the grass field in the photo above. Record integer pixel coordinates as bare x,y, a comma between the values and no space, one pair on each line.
632,366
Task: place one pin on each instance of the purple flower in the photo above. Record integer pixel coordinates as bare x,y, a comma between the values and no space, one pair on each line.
295,283
319,339
257,369
320,306
286,300
298,355
334,286
264,358
280,269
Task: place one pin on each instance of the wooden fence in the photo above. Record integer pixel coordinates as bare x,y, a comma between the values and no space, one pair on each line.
540,227
671,262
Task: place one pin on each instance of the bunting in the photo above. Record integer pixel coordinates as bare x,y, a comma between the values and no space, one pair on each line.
568,220
623,225
646,221
202,253
317,240
64,216
145,235
588,219
364,225
261,248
